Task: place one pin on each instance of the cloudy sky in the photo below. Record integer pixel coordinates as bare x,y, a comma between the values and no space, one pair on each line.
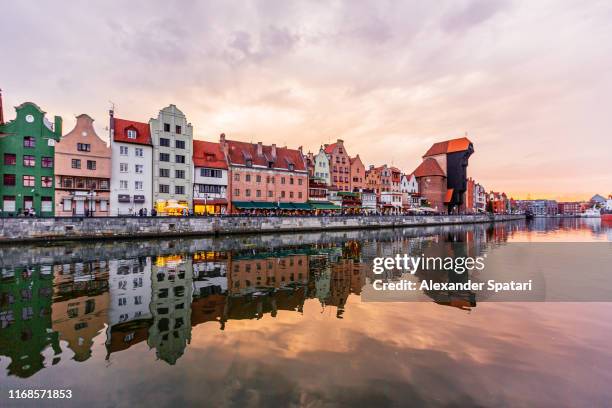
530,82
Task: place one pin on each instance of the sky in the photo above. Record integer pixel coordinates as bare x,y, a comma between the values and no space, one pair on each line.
529,82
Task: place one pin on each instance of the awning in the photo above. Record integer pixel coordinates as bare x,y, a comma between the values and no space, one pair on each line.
324,206
139,199
213,201
449,196
253,205
302,206
286,206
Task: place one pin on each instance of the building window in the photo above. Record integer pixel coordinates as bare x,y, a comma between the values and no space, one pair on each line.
179,158
46,204
8,203
67,204
211,173
67,182
179,144
270,193
164,142
258,194
75,163
247,178
248,192
236,192
83,147
249,163
29,181
236,177
29,161
282,194
165,157
300,182
164,172
123,150
138,185
166,127
178,130
139,152
282,180
91,164
123,184
131,134
103,184
123,167
179,174
179,189
47,162
10,159
46,181
164,188
290,180
139,168
291,167
29,141
291,194
9,180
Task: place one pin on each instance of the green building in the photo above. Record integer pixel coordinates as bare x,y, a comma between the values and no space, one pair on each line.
27,150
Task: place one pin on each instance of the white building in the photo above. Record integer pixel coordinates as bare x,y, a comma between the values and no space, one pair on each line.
391,202
172,140
368,201
209,178
131,175
321,166
129,286
410,191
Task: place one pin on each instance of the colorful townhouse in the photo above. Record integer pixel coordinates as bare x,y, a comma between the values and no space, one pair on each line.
265,177
210,178
131,167
82,172
358,174
340,164
172,140
410,191
321,168
27,146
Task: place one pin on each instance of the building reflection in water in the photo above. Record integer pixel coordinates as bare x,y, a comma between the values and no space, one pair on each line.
157,299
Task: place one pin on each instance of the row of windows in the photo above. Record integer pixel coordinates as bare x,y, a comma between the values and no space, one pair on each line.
9,203
211,173
269,179
165,189
177,129
123,185
124,151
76,164
84,183
258,193
341,170
165,142
10,159
28,181
179,174
138,168
207,188
165,157
340,180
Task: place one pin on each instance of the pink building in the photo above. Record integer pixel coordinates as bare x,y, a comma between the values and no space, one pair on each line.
265,177
82,172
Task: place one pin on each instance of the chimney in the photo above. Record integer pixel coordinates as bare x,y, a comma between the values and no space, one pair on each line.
1,109
223,143
111,125
259,149
273,151
300,149
222,138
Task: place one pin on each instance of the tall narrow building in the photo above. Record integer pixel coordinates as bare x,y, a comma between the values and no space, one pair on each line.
131,175
82,172
27,147
172,139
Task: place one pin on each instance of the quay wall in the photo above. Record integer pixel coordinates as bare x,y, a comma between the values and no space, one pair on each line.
74,228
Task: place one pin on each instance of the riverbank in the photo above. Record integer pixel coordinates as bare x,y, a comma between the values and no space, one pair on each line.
74,228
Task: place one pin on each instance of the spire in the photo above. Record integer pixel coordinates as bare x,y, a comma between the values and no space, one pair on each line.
1,109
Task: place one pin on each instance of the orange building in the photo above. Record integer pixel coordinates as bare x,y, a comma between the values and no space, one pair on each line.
262,177
358,174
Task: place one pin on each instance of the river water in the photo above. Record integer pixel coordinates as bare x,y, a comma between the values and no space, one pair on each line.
285,320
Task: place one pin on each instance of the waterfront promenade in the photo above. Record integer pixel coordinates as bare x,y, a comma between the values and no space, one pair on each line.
72,228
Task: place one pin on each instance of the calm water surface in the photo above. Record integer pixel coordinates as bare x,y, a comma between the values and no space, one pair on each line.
279,321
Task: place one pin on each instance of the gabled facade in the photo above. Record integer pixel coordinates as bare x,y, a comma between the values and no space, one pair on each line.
27,148
264,174
358,174
131,167
410,191
172,140
210,178
340,164
321,166
82,172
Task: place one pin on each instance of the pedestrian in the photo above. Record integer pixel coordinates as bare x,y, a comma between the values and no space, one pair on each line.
140,212
144,212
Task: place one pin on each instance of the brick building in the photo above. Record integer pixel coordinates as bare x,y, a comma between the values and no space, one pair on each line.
340,165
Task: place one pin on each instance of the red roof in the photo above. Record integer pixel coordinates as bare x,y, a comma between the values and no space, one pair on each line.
239,152
429,167
143,134
329,149
208,154
449,146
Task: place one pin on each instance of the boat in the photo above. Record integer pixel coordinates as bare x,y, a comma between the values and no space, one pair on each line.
592,213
